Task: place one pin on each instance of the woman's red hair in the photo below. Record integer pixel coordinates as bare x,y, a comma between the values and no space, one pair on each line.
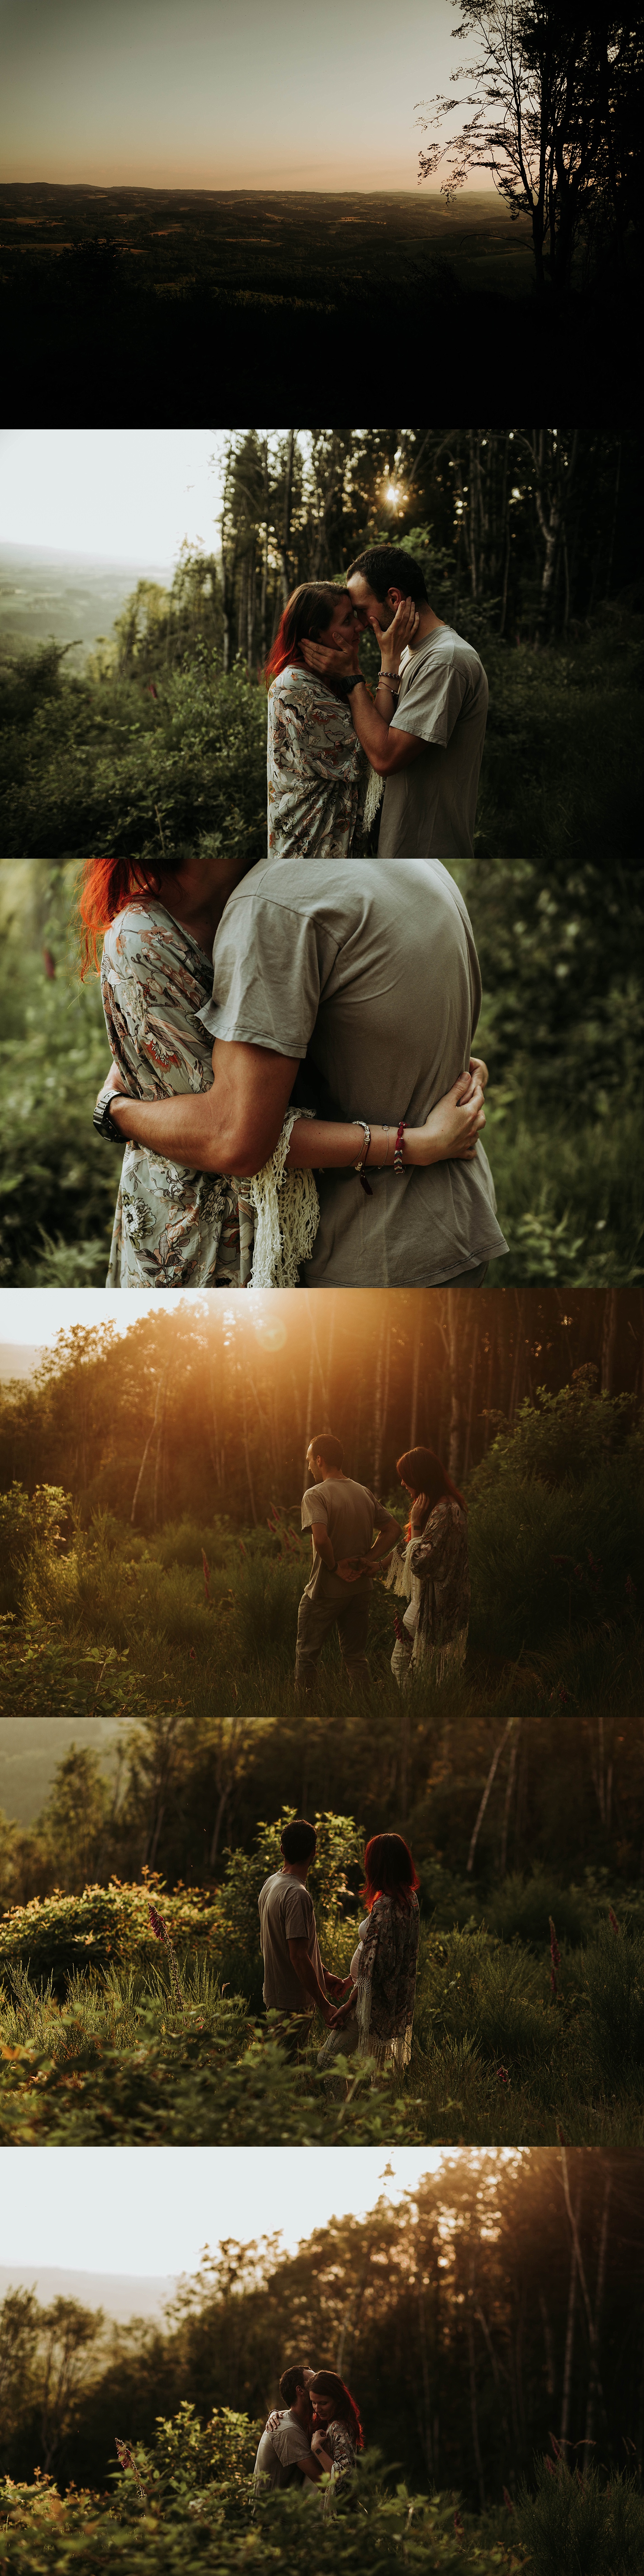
308,612
105,886
389,1871
422,1469
327,2383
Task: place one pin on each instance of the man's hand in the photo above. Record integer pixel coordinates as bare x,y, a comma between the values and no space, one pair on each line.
338,1985
113,1082
394,639
332,661
454,1126
349,1568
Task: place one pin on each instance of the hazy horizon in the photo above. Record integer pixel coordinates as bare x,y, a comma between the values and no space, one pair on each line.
200,97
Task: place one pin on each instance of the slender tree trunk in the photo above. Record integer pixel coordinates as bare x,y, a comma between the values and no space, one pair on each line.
593,2383
569,2344
286,522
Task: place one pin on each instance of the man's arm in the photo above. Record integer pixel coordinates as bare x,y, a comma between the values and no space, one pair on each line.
233,1127
304,1969
388,748
321,1541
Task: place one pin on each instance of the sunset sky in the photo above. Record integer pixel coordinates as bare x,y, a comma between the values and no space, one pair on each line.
196,94
144,2212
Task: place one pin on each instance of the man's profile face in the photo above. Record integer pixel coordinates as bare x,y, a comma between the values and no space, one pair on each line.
315,1468
368,606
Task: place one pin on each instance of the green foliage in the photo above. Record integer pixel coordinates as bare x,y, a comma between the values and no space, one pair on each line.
56,1935
190,2528
576,2526
101,757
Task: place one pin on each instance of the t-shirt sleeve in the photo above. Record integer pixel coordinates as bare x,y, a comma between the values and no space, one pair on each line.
290,2442
270,963
432,703
314,1508
296,1911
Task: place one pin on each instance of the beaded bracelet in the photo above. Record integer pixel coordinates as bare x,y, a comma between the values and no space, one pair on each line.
398,1160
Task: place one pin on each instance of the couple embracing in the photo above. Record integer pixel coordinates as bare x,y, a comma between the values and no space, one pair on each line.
313,2439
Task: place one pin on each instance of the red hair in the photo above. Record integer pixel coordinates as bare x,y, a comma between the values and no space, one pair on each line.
389,1871
308,611
105,886
421,1469
327,2383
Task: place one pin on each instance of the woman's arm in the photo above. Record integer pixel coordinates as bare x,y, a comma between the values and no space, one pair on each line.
236,1124
372,719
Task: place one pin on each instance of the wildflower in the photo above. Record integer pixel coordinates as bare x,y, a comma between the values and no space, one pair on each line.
161,1934
614,1925
507,2499
192,1654
551,2465
502,2076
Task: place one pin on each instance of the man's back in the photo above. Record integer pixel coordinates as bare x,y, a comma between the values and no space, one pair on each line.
286,1913
374,971
347,1510
431,805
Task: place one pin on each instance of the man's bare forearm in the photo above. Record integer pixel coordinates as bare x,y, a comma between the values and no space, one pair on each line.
371,728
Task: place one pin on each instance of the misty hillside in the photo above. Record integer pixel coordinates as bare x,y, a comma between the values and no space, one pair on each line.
120,2294
45,592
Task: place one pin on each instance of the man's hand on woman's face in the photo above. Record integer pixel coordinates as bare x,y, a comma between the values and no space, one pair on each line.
333,661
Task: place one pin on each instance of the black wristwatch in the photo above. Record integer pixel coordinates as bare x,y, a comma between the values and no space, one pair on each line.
103,1121
358,683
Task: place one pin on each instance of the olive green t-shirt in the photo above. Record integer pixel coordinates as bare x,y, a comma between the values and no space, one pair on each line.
429,809
374,972
286,1913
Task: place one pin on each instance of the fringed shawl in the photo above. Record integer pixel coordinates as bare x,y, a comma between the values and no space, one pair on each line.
387,1982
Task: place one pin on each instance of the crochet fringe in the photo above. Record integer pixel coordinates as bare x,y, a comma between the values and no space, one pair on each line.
387,2052
373,798
286,1210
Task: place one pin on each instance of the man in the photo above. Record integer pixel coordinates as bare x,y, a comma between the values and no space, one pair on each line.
341,1516
294,1977
374,971
425,733
285,2457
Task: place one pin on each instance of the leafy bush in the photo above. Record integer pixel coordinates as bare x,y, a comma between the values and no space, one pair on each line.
579,2527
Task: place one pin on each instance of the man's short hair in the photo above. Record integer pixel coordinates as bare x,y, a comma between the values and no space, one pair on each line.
298,1840
327,1447
290,2381
391,568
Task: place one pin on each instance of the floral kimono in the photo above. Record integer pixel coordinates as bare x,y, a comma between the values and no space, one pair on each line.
432,1575
337,2441
173,1227
317,772
387,1981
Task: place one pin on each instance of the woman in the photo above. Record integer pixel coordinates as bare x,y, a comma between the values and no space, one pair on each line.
431,1572
317,774
179,1227
376,2018
337,2432
337,2435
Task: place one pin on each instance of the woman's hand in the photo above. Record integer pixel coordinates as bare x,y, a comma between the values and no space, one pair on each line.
453,1127
343,2011
394,639
419,1511
478,1072
332,661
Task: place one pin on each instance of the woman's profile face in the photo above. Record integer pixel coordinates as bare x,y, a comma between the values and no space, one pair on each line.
343,623
323,2407
409,1489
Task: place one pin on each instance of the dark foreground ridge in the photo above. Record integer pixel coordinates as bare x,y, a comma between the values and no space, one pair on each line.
125,303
